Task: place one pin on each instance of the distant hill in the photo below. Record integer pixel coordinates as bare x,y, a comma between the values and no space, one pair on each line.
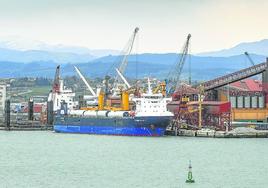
258,47
23,50
19,58
155,65
38,55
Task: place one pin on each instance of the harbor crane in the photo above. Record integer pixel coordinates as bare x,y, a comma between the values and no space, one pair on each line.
122,66
90,99
176,71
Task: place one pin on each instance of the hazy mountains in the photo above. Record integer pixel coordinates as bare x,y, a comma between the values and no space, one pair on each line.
156,65
258,47
16,49
19,59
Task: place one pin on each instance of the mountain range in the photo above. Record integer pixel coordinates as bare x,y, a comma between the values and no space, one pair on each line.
17,49
38,59
258,47
155,65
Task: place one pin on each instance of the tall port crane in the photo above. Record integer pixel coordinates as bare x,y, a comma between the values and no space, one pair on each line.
176,71
122,66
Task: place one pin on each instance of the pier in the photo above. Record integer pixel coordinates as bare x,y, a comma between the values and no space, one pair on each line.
241,132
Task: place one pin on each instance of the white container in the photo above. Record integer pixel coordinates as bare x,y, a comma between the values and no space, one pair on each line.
90,113
76,112
102,113
118,114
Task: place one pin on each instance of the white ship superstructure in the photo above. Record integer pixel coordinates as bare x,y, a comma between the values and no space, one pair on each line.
150,104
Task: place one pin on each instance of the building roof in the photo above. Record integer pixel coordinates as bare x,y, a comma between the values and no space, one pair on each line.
247,85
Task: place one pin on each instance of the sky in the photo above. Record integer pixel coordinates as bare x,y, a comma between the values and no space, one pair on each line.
164,24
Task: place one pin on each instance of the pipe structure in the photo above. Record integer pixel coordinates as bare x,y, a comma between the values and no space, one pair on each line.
101,101
125,101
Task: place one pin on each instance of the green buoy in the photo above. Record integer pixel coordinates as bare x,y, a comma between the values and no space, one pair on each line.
190,175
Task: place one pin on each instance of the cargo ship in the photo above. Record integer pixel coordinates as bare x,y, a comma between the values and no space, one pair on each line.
148,117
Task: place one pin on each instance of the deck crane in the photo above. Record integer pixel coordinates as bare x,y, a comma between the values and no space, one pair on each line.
176,72
123,78
249,58
122,67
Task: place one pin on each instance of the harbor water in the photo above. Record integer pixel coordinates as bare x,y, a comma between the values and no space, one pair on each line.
47,159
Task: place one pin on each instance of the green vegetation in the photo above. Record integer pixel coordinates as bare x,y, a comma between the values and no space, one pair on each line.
40,90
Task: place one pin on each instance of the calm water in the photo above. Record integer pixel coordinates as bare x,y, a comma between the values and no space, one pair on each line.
46,159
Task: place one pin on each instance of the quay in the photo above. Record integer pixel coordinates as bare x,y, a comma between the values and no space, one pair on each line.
240,132
36,126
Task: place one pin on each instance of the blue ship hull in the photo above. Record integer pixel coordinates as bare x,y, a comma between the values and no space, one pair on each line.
128,126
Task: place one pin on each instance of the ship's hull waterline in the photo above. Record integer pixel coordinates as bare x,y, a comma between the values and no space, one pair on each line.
127,126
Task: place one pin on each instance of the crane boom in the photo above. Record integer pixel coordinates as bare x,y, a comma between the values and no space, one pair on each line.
123,64
249,58
182,60
176,71
123,78
85,81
